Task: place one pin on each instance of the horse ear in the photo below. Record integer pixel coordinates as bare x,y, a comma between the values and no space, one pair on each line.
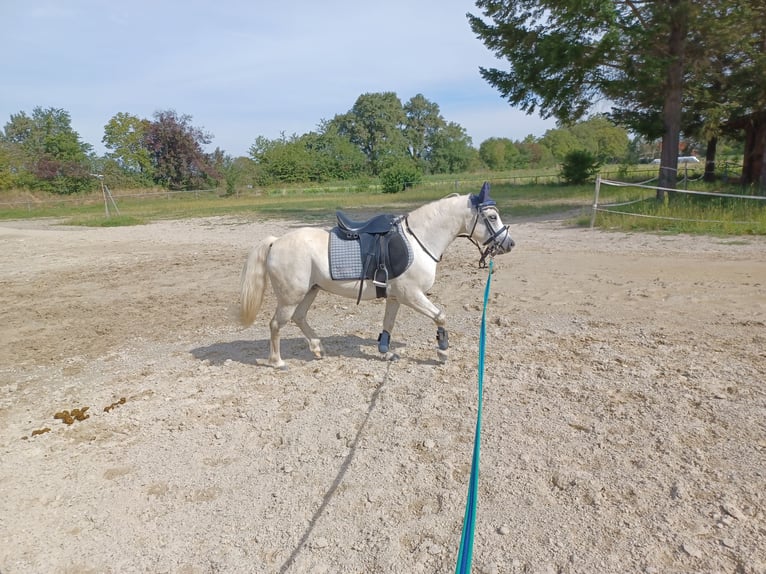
483,196
484,193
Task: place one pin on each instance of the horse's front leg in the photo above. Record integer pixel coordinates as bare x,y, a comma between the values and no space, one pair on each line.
389,317
442,339
422,304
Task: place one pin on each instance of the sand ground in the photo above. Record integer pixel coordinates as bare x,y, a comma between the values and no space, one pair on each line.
624,424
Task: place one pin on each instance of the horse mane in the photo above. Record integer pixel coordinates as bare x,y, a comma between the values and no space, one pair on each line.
432,208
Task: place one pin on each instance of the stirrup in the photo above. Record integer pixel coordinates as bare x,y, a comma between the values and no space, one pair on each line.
375,281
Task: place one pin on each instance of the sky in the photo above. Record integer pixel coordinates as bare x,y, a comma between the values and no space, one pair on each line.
247,68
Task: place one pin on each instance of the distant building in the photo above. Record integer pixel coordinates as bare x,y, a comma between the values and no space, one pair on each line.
681,159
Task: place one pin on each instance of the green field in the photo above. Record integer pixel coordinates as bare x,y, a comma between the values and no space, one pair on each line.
520,196
312,203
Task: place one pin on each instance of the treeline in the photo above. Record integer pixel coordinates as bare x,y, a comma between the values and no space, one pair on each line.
42,152
379,137
668,70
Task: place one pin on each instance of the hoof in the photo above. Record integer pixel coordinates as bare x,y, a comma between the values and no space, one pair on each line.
443,355
317,350
442,339
384,342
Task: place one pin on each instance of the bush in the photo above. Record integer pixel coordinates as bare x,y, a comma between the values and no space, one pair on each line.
399,177
579,166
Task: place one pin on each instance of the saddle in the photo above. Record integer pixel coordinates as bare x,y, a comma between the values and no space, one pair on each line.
375,249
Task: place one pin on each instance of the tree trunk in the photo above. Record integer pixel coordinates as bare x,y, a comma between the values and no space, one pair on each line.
671,109
755,152
762,179
712,144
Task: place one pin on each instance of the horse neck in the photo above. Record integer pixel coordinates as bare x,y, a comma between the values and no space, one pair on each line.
437,224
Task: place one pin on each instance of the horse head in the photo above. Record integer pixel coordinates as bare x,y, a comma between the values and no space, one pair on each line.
491,235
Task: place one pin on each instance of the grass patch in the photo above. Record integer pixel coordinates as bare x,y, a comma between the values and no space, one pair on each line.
718,214
312,203
317,203
103,221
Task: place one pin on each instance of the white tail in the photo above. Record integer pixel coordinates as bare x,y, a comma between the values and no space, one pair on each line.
253,281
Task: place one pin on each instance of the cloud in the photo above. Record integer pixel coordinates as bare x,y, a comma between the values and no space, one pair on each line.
243,69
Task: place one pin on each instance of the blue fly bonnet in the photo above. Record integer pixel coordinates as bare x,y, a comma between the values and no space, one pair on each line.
483,199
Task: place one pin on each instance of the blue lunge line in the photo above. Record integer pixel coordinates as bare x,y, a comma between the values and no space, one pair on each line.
469,522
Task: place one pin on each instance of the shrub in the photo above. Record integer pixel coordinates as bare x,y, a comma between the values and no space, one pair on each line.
579,166
399,177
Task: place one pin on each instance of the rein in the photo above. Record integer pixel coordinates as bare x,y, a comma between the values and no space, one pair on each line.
423,247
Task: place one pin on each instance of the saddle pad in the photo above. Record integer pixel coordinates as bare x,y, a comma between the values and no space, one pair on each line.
346,255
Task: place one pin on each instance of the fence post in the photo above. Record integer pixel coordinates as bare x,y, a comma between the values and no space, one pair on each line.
595,201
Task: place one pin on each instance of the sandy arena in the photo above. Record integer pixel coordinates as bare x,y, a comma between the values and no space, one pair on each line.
624,421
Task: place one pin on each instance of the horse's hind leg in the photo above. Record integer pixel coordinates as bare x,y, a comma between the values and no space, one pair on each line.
281,316
299,316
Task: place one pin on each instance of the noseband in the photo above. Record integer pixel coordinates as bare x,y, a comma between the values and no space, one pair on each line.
493,244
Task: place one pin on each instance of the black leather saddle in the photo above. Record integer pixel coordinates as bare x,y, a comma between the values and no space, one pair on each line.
379,224
384,249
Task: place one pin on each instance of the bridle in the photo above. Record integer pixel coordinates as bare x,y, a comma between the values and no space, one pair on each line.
489,248
494,243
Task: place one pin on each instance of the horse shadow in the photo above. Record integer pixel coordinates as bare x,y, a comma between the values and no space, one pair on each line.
256,352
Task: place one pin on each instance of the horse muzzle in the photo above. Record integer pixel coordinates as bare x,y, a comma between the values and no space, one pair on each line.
501,242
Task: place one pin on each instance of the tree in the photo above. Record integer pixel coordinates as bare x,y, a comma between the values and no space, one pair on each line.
677,25
6,165
747,87
124,136
533,154
175,149
283,160
378,133
422,123
315,156
596,135
560,142
46,152
499,154
451,150
503,154
566,54
336,157
229,168
375,124
602,138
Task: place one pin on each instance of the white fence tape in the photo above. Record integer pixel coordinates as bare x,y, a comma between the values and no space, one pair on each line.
607,207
